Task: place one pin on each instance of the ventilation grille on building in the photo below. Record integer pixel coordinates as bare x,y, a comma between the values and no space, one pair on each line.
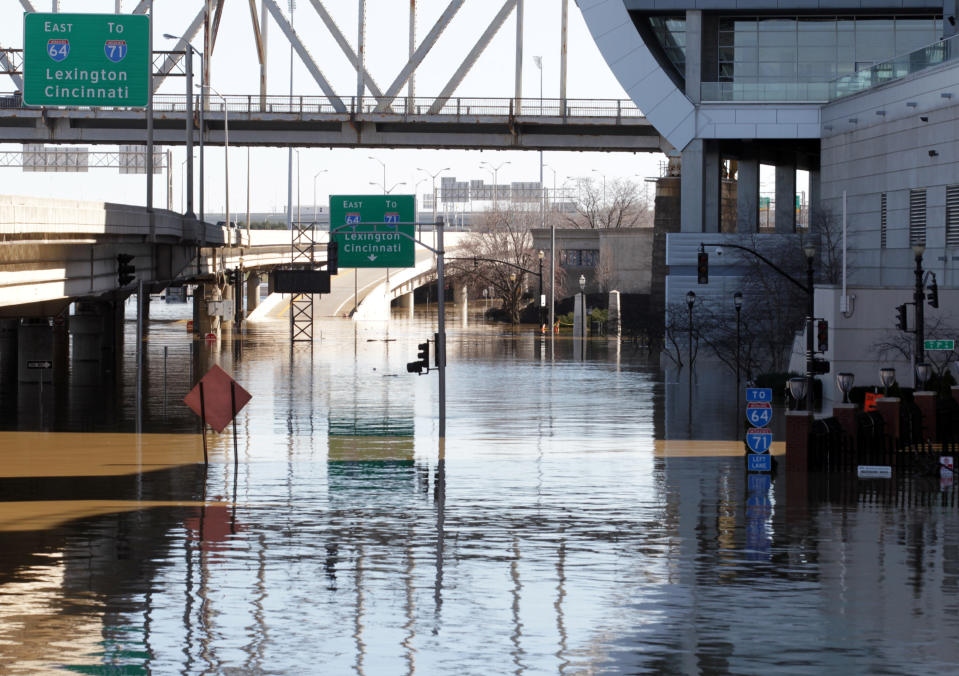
917,216
952,215
882,220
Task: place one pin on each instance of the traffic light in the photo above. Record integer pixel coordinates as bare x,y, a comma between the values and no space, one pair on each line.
822,335
702,267
124,269
933,294
332,257
901,322
423,361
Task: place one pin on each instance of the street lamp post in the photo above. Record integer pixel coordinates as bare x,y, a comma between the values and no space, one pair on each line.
495,171
226,152
810,252
738,304
382,164
189,52
387,191
919,297
690,301
541,299
433,183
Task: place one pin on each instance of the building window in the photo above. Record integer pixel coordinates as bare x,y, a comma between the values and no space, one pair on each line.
882,220
917,216
952,215
780,49
579,258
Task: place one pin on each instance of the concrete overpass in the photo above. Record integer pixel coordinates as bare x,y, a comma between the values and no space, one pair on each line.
311,121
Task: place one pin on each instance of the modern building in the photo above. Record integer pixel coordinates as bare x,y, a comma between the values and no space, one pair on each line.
861,95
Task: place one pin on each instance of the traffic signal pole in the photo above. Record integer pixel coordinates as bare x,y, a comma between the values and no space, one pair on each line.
441,305
441,324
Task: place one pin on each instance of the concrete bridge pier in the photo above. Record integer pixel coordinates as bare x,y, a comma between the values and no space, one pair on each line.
406,303
8,352
96,329
34,344
229,293
252,292
462,300
203,322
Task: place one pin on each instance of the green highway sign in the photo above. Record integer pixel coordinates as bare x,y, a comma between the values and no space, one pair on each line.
374,238
86,60
939,344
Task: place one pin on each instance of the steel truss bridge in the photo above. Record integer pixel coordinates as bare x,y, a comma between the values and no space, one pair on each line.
390,116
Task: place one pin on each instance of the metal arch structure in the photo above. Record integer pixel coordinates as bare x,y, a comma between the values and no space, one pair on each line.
372,115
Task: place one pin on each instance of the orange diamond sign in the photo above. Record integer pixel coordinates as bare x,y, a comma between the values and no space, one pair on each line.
220,393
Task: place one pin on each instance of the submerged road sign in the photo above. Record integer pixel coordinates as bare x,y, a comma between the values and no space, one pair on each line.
759,413
375,238
86,59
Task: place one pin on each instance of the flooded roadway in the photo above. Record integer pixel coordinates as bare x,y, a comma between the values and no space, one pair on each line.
564,527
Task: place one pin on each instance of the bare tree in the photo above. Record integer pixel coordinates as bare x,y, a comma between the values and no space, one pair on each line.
901,345
498,252
617,204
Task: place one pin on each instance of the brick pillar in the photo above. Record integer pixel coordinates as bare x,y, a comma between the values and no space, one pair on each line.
926,401
846,415
888,408
797,442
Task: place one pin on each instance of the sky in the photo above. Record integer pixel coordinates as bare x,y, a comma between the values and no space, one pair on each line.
350,171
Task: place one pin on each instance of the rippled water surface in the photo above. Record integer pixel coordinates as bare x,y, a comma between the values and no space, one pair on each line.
553,532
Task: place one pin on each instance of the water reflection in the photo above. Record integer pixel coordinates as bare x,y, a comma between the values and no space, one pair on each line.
552,531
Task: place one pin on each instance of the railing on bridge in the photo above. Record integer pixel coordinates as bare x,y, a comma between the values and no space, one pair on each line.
457,107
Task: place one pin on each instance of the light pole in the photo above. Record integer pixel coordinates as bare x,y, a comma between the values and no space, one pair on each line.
538,60
316,176
190,51
810,252
433,183
597,171
690,301
226,151
383,164
582,291
495,171
919,297
738,304
542,299
387,191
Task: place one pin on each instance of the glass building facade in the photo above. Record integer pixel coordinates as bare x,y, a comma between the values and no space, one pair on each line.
786,57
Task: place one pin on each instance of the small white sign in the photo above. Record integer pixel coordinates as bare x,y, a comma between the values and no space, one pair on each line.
220,308
946,467
874,472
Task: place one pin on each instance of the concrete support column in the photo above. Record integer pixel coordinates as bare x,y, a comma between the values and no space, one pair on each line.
692,181
926,401
462,300
693,75
813,199
252,292
888,408
34,343
700,187
797,442
8,350
203,322
579,316
226,293
614,325
406,303
786,197
747,196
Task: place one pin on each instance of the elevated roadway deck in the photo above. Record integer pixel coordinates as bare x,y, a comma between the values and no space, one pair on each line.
310,121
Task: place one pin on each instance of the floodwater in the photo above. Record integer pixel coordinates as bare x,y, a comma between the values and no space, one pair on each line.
576,520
